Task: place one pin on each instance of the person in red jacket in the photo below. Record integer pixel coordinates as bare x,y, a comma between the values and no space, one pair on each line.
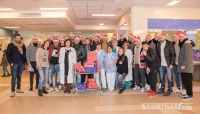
54,52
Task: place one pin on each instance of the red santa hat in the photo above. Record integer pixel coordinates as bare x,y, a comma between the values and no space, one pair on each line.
114,35
156,34
138,39
163,35
55,39
77,38
177,33
71,34
35,37
134,37
148,36
105,36
183,33
130,35
97,37
62,37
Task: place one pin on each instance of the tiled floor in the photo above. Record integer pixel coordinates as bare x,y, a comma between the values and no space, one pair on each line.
89,102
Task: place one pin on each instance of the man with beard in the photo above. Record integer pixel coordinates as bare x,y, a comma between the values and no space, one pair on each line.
121,40
30,56
71,36
130,41
50,39
112,38
167,57
82,37
185,65
16,55
80,54
150,42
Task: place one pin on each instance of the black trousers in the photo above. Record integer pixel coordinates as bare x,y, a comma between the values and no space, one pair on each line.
83,77
33,64
187,82
152,78
147,80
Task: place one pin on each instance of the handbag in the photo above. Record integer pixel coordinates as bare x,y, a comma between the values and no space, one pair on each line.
91,84
80,86
30,68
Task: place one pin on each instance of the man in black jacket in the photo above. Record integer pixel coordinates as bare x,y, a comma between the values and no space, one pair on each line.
152,64
80,53
121,40
88,47
16,55
167,57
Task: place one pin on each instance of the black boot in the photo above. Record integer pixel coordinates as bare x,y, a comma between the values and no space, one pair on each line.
31,88
3,75
161,90
44,90
167,93
121,91
8,74
40,93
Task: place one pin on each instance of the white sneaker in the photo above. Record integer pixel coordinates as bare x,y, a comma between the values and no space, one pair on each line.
158,85
146,85
50,90
142,90
12,94
57,90
177,90
135,87
60,87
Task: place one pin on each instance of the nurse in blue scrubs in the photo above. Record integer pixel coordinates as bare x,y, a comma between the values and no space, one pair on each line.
100,56
110,65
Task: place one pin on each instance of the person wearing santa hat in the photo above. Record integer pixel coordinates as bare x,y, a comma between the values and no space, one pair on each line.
112,38
80,54
91,40
54,53
185,65
150,42
62,41
31,61
131,40
96,40
105,43
121,40
167,57
138,65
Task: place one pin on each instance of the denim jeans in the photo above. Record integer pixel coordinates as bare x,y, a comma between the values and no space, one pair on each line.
163,70
119,80
54,69
177,77
5,70
43,73
17,70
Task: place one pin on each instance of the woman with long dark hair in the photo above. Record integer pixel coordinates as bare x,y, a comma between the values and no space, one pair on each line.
66,60
122,69
42,63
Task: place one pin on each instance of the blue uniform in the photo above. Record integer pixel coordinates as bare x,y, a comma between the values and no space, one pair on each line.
100,57
109,60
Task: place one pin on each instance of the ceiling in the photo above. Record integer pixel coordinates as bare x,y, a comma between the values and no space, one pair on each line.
79,12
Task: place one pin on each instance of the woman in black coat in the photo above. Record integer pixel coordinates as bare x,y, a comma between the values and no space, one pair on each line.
122,69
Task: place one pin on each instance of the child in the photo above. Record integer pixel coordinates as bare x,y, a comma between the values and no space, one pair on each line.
110,64
4,63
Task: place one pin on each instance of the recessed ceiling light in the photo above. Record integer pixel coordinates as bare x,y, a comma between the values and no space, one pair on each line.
11,27
103,14
173,2
101,24
6,9
53,8
125,24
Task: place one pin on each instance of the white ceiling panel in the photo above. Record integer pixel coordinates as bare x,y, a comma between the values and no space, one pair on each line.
110,4
80,8
92,11
94,8
95,4
190,2
77,4
108,8
141,1
107,12
159,1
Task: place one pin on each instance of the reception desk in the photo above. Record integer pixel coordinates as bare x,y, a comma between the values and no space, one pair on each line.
196,75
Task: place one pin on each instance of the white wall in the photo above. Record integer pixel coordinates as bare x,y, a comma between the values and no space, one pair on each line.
139,16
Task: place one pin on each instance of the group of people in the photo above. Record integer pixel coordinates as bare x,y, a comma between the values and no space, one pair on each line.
122,61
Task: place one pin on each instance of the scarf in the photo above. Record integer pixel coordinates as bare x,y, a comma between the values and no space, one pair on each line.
18,45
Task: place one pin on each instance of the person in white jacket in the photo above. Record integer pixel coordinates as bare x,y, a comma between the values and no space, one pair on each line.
129,54
66,60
